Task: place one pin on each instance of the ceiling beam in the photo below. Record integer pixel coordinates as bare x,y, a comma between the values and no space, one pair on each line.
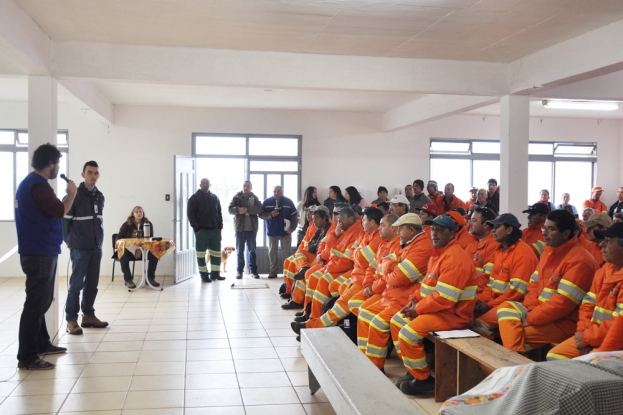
592,54
194,66
430,108
87,97
22,42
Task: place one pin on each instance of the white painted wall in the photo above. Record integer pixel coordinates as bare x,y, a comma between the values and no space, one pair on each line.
136,154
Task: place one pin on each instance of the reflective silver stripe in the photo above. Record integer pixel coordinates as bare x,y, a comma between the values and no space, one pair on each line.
410,336
600,315
399,321
469,293
380,324
416,364
534,277
336,253
83,217
368,254
426,290
410,271
376,351
571,291
618,310
488,268
448,292
499,286
519,285
589,298
539,245
365,315
546,294
483,327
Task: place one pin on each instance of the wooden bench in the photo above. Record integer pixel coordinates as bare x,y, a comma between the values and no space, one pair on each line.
460,364
351,382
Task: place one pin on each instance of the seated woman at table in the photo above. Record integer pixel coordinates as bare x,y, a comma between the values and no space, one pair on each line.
130,229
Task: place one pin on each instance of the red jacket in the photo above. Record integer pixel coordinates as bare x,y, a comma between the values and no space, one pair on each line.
533,236
449,288
601,305
558,285
510,276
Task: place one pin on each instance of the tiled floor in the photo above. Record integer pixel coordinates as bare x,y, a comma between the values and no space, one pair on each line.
191,349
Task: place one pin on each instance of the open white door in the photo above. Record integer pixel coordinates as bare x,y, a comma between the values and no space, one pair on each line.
185,255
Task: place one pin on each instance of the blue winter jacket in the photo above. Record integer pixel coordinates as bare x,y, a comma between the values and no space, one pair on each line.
276,226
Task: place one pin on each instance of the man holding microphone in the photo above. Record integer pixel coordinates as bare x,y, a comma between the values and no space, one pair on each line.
38,214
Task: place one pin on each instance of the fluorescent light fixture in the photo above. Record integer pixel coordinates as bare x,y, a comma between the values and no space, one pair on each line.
581,105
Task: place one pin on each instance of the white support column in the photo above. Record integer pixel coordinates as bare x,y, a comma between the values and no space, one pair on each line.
42,129
514,137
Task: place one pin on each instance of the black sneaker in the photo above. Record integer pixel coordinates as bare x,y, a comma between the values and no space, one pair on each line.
296,326
291,305
299,313
418,387
53,350
301,319
38,364
285,296
405,378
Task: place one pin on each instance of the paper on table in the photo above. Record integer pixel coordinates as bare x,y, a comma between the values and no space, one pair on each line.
455,334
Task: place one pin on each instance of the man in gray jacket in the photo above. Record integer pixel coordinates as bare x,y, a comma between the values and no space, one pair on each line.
245,207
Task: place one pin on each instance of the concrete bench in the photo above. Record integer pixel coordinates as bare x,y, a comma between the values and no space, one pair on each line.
460,364
351,382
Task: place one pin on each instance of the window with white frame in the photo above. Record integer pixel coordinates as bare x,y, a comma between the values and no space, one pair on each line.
559,167
15,165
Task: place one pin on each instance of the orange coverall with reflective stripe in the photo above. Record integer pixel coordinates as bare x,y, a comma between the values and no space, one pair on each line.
364,264
401,278
550,309
464,238
483,255
301,258
533,236
437,200
508,282
593,248
445,300
447,207
614,338
600,306
598,206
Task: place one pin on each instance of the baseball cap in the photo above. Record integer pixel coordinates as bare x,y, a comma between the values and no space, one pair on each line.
434,183
419,183
400,199
319,207
598,219
597,189
537,208
411,218
473,189
506,219
443,220
616,231
457,217
347,211
430,208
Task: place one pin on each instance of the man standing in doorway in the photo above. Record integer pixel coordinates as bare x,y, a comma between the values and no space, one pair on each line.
38,214
493,195
245,206
206,219
281,220
84,230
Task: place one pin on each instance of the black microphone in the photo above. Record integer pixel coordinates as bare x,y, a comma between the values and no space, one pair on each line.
64,178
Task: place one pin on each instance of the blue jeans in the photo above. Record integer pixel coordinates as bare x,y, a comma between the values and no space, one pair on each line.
85,275
248,238
40,271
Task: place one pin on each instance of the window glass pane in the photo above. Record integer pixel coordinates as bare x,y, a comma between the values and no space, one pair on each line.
6,186
291,187
22,138
259,146
274,166
221,146
540,149
226,177
62,188
575,178
486,147
272,180
61,139
539,177
575,150
7,137
449,147
483,171
22,168
445,171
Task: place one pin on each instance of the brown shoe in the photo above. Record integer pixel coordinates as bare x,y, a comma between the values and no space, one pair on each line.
73,327
93,321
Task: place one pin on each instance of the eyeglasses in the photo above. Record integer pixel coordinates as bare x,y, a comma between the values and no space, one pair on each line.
548,229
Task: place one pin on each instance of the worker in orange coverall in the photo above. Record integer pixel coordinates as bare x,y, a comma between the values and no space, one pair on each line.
514,263
445,300
405,275
602,304
549,312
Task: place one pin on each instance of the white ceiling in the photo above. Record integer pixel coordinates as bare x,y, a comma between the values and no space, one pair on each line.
478,30
537,110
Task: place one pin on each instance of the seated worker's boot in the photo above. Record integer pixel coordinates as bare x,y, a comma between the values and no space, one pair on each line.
92,321
301,274
292,305
73,327
405,378
418,387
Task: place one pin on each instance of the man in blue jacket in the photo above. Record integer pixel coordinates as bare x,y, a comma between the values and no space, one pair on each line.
38,214
281,220
84,236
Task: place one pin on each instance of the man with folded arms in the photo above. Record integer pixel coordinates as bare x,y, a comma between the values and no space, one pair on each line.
533,235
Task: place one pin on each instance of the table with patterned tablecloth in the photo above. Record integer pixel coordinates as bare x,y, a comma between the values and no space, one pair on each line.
159,249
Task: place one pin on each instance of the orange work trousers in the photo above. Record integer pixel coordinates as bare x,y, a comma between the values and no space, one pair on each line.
322,292
293,264
373,331
411,340
487,324
302,293
359,300
565,350
518,338
337,312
